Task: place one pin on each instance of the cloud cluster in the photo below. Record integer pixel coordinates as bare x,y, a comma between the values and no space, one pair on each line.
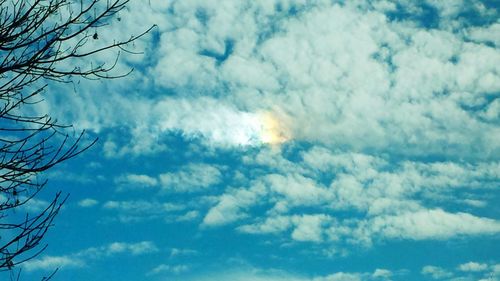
82,258
466,271
249,273
190,178
359,81
386,200
366,80
193,178
389,112
129,211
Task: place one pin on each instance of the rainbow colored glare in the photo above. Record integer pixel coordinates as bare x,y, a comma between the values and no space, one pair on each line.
273,130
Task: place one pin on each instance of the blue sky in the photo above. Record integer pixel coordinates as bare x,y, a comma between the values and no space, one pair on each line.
285,140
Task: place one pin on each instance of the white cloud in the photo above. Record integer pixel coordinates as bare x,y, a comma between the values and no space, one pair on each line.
436,272
430,224
475,203
226,211
325,160
449,9
83,257
135,248
87,202
141,210
162,268
191,178
372,95
272,158
256,274
275,224
388,196
220,123
33,204
142,206
249,273
382,273
50,263
116,248
296,189
309,227
485,34
248,276
341,276
473,267
305,227
137,180
496,268
188,216
175,252
231,206
366,82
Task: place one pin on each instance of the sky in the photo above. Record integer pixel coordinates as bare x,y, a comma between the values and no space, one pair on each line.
294,140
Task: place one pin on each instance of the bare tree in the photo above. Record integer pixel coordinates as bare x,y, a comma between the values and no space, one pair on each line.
42,41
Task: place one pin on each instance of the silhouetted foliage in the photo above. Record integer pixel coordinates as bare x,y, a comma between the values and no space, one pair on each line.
41,41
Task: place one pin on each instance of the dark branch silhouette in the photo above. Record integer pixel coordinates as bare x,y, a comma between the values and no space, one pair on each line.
42,41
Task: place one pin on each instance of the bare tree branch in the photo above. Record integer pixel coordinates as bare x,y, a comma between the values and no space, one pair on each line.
42,41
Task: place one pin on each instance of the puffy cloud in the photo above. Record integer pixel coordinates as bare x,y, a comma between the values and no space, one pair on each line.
87,202
401,119
390,200
134,249
231,207
175,269
496,268
296,189
466,271
83,257
220,123
475,203
141,210
188,216
436,272
426,224
270,225
53,262
175,252
382,273
255,274
33,204
194,177
329,47
137,180
116,248
367,82
305,227
341,276
473,267
140,206
287,191
485,34
309,227
249,276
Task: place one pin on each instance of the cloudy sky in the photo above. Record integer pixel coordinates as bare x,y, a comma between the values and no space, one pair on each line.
293,140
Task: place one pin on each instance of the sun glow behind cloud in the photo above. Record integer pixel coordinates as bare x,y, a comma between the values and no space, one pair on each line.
254,129
221,125
273,130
